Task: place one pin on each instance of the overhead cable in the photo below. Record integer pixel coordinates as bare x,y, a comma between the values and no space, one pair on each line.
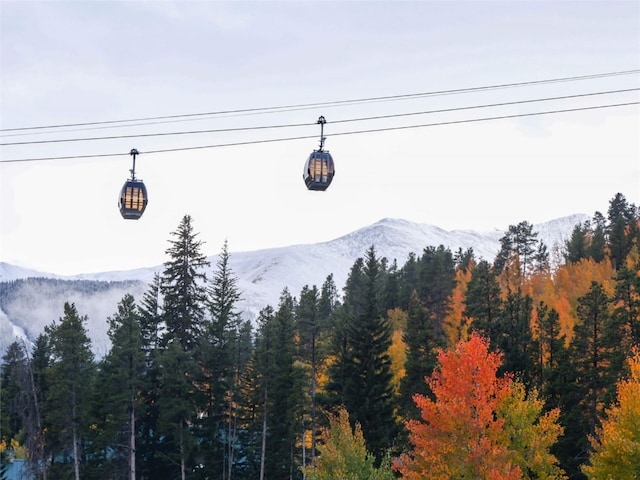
361,119
376,130
278,109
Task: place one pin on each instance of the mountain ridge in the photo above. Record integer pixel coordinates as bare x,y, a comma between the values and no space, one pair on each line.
261,274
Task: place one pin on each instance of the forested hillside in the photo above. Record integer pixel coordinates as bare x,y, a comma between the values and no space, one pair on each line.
31,303
444,367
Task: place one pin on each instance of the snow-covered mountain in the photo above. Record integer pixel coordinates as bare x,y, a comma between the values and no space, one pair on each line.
262,274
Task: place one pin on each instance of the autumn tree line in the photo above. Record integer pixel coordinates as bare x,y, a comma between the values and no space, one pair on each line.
444,367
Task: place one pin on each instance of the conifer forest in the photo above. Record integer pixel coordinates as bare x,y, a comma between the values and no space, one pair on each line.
445,366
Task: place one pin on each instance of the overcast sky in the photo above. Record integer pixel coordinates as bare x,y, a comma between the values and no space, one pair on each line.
73,62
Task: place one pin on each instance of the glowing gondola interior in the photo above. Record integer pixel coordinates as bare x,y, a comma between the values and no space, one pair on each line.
319,170
133,200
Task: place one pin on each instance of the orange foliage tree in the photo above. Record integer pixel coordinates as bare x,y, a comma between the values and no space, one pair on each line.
468,430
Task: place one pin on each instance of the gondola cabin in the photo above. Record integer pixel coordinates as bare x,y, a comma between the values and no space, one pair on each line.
133,199
318,170
133,196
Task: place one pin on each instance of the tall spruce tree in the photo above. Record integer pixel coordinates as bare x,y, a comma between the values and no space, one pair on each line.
217,354
437,279
240,407
575,248
408,280
552,354
590,355
309,324
123,374
14,398
177,412
625,316
68,397
184,306
279,382
314,312
361,377
151,328
422,341
183,286
151,321
483,303
40,361
20,407
516,339
622,228
598,238
328,299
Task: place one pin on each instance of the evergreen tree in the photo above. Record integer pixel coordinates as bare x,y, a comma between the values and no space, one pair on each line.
240,411
541,259
483,305
309,325
515,339
622,228
13,388
314,314
598,240
437,279
258,406
217,355
464,260
41,358
390,285
519,250
20,408
183,287
151,328
177,411
625,317
408,280
328,301
123,375
70,379
279,382
422,344
552,354
184,303
590,353
151,317
576,246
361,377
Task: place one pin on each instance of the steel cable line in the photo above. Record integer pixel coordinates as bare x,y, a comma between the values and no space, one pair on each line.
357,132
264,127
285,108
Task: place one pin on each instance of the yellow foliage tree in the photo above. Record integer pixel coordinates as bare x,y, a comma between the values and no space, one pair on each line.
397,349
343,454
616,447
530,434
571,282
